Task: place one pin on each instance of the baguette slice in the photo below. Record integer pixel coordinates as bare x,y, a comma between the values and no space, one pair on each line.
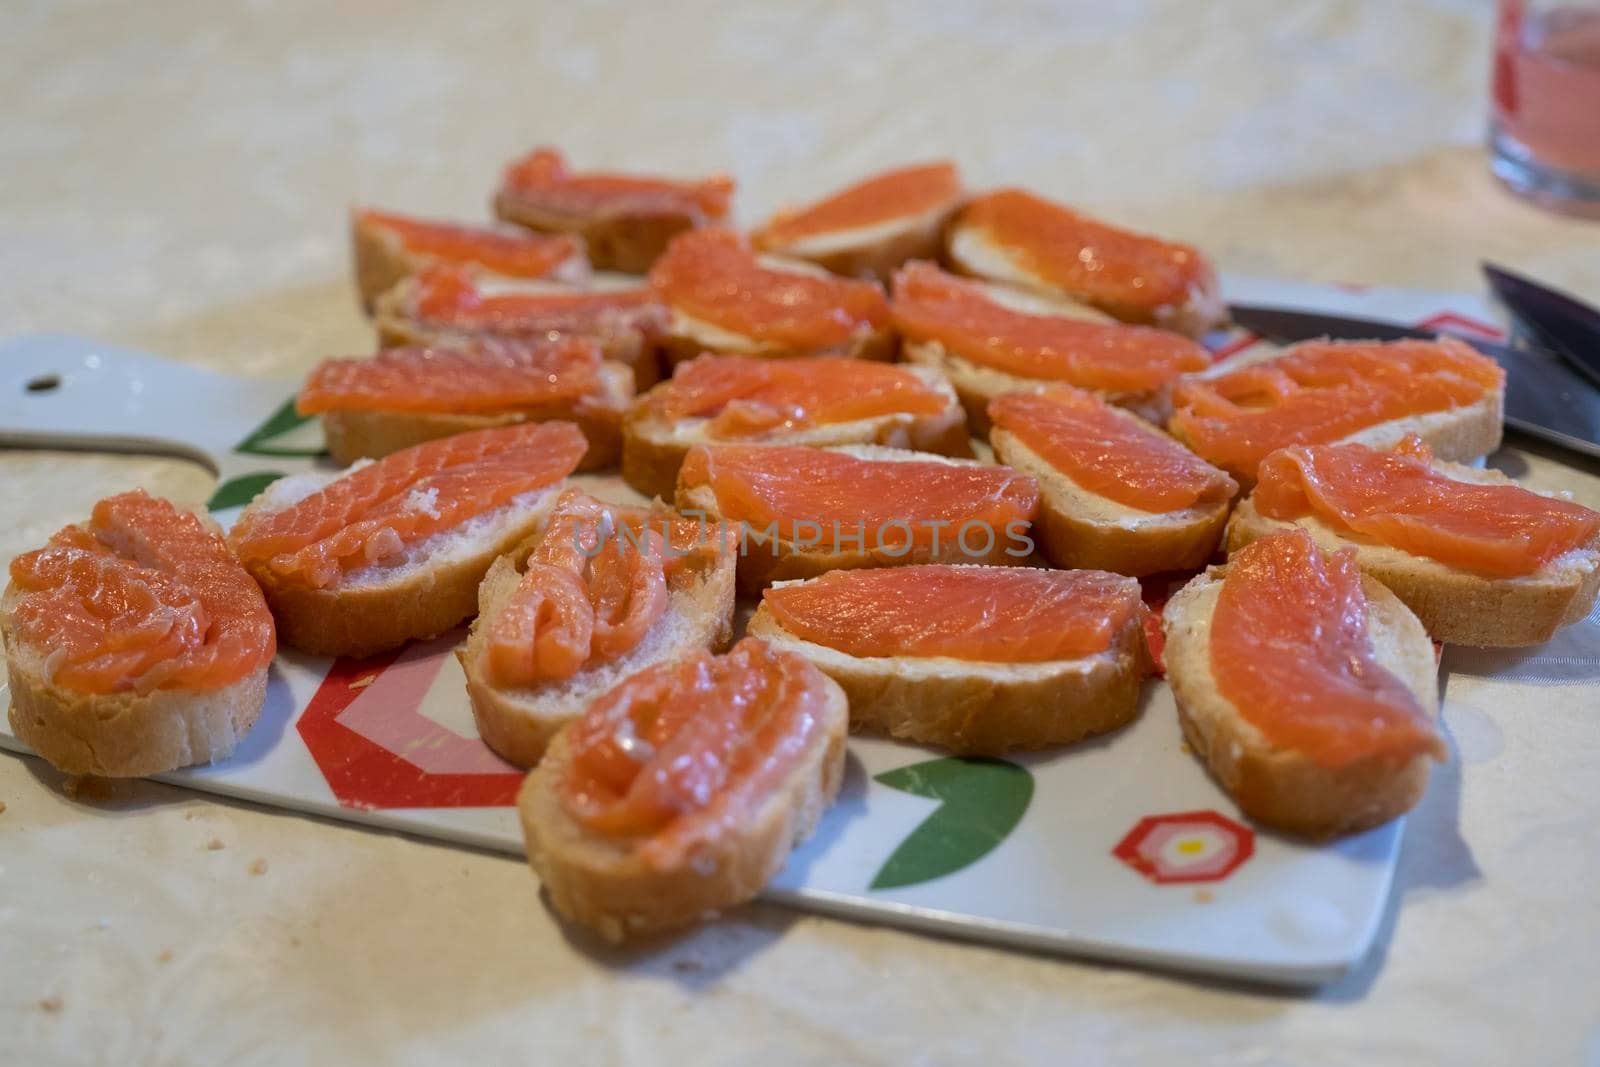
1078,527
626,221
763,561
1281,787
975,708
449,306
615,887
354,434
390,248
518,722
871,227
653,446
1138,279
1454,605
192,706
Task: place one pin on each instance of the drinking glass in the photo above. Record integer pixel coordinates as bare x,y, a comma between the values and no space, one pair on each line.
1544,137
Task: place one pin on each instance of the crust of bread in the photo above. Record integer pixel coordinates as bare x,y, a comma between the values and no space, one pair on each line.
1077,528
374,610
971,253
653,449
519,723
353,435
127,735
629,345
621,241
382,261
762,562
976,385
1456,435
608,887
1455,606
981,709
1279,787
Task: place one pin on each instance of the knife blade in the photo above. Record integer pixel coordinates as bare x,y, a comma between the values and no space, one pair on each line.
1561,323
1545,397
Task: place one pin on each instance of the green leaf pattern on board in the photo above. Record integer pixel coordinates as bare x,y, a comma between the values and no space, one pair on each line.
241,490
283,421
982,800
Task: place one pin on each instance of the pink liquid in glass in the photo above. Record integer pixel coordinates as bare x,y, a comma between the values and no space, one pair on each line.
1547,94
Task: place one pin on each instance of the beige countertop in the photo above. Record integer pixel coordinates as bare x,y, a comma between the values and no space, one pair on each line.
174,177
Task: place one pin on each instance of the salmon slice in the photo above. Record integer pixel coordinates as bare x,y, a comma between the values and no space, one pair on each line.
519,255
713,277
979,614
1130,275
1108,452
682,747
594,586
542,181
889,504
144,596
906,192
751,397
373,513
484,376
1402,500
1322,391
932,306
1290,650
453,299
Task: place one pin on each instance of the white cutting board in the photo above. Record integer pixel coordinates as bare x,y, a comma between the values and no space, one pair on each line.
1119,848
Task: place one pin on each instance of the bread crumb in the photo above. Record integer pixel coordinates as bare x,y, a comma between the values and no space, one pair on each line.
164,956
1183,746
1203,896
51,1004
364,681
215,845
258,867
2,807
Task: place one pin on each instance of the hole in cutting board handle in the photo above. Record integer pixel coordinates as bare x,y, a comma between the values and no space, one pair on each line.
44,383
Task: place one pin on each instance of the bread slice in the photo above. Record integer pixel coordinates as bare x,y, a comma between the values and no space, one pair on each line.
380,607
518,723
1455,606
687,336
980,709
607,885
971,251
653,447
762,562
382,259
353,435
629,337
129,734
1079,528
1279,787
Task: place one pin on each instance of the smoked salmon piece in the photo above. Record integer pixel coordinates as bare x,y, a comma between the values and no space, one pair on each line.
485,376
744,398
725,298
626,219
871,227
1016,237
1109,453
1290,650
373,514
681,749
1400,499
1324,391
981,614
389,247
141,597
931,306
447,306
890,505
598,580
